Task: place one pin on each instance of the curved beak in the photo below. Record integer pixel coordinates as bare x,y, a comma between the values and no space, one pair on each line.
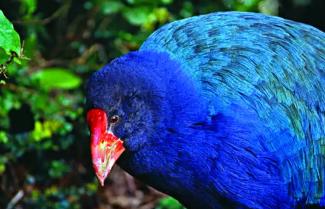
106,148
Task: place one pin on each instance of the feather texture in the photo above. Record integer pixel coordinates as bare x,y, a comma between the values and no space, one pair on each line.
272,66
225,110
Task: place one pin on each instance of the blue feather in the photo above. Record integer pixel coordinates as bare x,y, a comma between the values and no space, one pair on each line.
230,111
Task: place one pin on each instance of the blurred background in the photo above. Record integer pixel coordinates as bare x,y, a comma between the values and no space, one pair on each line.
44,145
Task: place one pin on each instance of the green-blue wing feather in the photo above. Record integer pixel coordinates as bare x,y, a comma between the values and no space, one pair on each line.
274,66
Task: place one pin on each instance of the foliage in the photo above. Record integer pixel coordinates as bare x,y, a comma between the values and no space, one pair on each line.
9,43
169,203
43,135
56,78
9,38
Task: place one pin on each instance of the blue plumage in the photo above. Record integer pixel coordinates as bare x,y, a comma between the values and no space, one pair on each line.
225,110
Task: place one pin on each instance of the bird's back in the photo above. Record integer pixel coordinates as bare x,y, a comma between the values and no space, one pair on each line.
270,65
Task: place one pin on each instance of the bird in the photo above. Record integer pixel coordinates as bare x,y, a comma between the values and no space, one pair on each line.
221,110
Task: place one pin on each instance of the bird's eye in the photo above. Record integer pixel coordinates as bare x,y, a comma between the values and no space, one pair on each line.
114,119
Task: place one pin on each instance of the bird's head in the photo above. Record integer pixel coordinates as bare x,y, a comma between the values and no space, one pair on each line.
135,103
124,110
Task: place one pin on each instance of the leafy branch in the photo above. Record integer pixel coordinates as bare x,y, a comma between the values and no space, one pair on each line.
10,48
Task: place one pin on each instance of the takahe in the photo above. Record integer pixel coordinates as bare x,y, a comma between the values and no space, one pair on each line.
224,110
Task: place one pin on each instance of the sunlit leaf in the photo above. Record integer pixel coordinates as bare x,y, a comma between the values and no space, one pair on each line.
57,78
2,168
9,38
169,203
3,137
161,14
167,1
137,16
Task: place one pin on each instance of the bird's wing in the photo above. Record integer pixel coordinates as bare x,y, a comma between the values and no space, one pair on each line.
275,66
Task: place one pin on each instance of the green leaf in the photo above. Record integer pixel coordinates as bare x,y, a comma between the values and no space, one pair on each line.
3,137
110,7
2,168
30,46
187,9
138,15
56,78
169,203
29,6
161,14
3,56
167,1
9,38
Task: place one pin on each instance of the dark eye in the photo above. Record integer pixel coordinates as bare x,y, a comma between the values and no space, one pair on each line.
114,119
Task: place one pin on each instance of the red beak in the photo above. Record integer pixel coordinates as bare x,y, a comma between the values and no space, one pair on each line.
106,148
